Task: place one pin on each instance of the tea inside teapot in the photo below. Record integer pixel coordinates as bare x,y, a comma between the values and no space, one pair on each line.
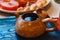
30,17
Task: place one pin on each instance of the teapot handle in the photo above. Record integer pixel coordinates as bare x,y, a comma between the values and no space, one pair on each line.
50,22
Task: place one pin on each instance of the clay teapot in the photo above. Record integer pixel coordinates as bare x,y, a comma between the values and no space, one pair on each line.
30,25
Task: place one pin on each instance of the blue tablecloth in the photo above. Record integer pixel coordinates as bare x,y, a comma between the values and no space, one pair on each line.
7,31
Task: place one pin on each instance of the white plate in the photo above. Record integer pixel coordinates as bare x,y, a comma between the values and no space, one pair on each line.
48,1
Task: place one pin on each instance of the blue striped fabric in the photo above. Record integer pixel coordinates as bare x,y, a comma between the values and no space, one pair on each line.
7,28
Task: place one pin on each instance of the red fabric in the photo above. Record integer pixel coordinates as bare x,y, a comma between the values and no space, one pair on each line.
58,26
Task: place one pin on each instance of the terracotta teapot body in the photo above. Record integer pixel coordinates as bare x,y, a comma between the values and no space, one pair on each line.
30,25
30,28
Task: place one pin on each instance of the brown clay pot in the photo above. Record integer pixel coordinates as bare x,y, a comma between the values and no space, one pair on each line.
30,29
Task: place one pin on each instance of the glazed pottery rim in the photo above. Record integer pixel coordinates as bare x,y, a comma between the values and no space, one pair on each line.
33,20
